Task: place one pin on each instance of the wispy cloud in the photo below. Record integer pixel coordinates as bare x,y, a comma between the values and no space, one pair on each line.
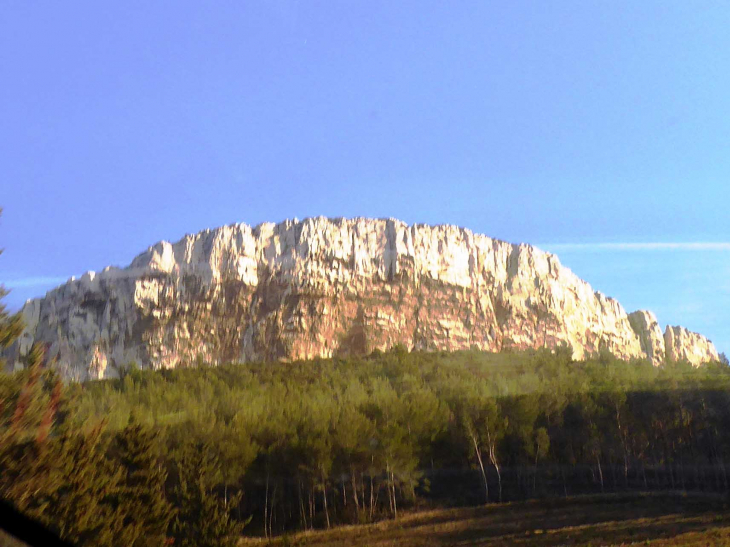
31,282
652,246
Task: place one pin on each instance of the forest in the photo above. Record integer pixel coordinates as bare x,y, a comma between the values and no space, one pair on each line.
201,455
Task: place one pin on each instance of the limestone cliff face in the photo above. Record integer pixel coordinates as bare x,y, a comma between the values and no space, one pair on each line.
322,287
647,328
689,346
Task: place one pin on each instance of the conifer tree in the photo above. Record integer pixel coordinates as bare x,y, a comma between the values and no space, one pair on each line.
11,325
29,410
203,520
78,495
147,512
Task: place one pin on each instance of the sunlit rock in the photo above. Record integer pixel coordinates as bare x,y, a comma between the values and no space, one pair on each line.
683,345
650,335
324,287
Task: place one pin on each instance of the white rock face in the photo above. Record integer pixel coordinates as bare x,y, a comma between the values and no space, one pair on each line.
647,328
322,287
683,345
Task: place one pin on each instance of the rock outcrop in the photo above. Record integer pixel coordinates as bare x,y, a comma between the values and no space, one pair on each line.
323,287
683,345
647,328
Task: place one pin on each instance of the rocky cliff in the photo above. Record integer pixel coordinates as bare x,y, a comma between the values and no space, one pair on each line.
322,287
689,346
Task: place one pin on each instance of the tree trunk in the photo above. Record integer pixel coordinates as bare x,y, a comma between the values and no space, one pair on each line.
377,496
354,491
302,513
311,507
271,512
394,505
266,505
387,486
362,491
499,476
324,499
600,471
371,497
481,467
493,458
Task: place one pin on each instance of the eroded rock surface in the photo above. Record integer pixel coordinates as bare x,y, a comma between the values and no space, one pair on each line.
322,287
650,335
683,345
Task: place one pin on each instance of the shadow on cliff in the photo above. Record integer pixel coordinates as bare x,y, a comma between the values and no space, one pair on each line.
355,340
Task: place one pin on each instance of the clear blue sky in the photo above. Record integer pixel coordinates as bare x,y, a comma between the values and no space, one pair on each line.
570,122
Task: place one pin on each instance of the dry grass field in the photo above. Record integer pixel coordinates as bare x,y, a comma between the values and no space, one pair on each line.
630,519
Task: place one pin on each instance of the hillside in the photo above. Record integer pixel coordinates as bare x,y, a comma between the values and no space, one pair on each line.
286,447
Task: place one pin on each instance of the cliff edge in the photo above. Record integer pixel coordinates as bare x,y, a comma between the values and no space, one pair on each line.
322,287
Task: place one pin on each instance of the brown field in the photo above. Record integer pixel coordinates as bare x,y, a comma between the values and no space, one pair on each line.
623,519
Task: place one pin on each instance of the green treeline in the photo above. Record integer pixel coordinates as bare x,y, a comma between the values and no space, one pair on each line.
95,485
200,452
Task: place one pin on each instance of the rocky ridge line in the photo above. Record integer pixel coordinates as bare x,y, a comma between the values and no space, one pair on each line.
322,287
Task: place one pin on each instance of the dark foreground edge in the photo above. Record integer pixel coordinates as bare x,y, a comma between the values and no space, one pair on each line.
26,529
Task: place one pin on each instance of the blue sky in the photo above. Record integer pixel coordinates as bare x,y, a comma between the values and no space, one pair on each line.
566,124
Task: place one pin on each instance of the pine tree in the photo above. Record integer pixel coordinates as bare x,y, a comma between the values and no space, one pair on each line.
78,493
11,325
147,512
203,519
29,411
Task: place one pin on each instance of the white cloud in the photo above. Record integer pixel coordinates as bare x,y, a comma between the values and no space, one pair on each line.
591,247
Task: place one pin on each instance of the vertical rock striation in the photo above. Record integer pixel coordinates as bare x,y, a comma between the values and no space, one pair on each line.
323,287
683,345
647,328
